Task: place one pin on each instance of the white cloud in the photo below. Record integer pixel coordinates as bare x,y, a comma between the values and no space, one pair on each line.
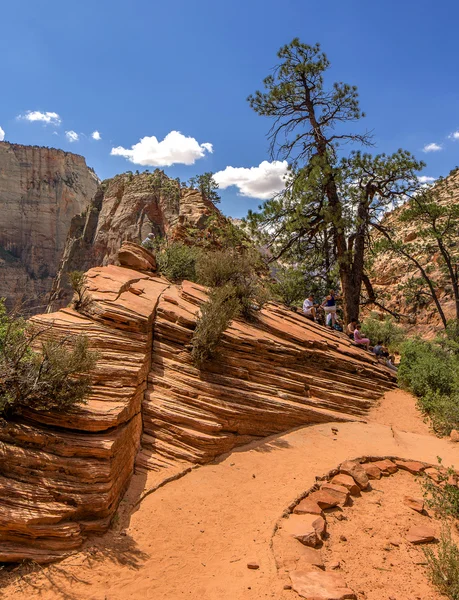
96,135
432,147
174,149
255,182
426,179
2,135
454,136
72,136
45,117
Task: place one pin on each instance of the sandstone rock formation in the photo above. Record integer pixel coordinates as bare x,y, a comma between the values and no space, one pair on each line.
41,190
63,475
128,208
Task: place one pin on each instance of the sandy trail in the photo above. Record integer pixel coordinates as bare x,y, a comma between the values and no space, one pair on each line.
193,538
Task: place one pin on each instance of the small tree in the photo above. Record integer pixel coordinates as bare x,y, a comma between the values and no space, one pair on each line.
434,216
207,185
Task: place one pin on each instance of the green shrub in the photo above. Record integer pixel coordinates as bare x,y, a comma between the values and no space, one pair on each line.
237,270
443,410
443,565
216,314
426,368
387,331
290,286
78,282
177,262
53,375
442,497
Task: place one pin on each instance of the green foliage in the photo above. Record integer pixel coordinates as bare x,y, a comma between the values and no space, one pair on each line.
425,367
431,372
78,282
239,270
387,331
177,261
290,286
207,185
443,565
442,497
216,314
40,372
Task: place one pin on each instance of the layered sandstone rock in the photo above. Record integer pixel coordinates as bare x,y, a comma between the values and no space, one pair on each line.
63,475
128,208
41,190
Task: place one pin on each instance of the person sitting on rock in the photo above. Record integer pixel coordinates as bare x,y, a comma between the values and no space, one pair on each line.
380,350
390,363
309,308
329,305
351,328
359,339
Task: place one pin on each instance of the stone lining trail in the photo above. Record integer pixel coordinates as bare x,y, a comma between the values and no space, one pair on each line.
193,537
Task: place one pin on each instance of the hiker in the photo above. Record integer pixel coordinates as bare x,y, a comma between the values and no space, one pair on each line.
380,350
351,328
390,363
329,306
358,339
309,308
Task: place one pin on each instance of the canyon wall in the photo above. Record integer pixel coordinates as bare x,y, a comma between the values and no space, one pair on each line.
62,475
128,208
41,190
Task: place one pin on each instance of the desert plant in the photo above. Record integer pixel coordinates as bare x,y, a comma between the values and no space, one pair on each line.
78,282
443,565
387,331
38,371
216,314
177,262
442,409
442,496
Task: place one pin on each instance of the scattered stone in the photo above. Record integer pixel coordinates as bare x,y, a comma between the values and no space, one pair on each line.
433,473
253,565
307,506
309,557
416,504
356,471
420,535
395,542
342,538
454,435
338,491
387,466
335,565
287,587
371,470
307,529
320,585
324,499
411,466
348,482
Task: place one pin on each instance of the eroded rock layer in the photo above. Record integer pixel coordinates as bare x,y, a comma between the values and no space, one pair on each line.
41,190
63,475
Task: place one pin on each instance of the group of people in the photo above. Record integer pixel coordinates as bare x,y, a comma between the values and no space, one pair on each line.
354,328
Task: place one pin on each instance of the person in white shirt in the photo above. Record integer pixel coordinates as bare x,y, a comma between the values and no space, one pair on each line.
309,308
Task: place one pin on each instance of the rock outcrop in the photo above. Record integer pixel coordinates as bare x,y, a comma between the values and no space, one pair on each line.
63,475
41,190
128,208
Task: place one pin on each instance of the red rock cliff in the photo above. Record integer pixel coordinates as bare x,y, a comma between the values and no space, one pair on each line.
41,190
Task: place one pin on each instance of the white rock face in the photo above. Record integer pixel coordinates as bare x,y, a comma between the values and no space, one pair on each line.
41,189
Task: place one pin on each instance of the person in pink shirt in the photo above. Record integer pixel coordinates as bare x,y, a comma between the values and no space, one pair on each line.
359,339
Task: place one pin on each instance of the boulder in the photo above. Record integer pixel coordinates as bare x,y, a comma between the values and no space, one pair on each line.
348,482
338,491
416,504
372,471
356,471
386,466
308,529
308,506
320,585
136,257
454,435
324,499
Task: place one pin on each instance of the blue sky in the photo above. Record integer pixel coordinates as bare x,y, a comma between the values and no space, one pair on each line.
138,69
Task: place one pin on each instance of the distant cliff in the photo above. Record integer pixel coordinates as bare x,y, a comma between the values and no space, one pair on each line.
128,208
41,190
